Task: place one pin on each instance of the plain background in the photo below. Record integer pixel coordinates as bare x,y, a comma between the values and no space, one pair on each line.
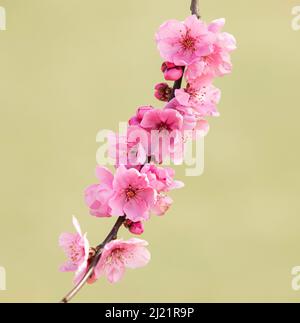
71,68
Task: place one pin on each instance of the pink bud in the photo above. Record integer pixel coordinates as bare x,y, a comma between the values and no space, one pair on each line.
163,92
167,65
135,227
171,71
173,74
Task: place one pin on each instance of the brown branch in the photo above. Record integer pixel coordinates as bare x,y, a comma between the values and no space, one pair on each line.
195,8
176,86
114,231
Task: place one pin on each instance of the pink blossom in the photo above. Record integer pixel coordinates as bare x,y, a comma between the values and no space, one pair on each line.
188,114
183,43
171,71
203,100
217,25
218,62
98,195
166,133
163,92
133,195
131,149
119,255
162,120
135,227
162,205
199,53
136,120
194,125
225,40
161,179
77,248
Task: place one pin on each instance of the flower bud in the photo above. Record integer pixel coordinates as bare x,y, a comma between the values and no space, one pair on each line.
167,65
171,71
163,92
134,227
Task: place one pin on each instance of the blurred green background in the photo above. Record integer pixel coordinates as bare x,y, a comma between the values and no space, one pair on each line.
71,68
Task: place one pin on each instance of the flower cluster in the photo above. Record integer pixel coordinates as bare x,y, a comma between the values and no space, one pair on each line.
115,258
130,192
139,186
201,53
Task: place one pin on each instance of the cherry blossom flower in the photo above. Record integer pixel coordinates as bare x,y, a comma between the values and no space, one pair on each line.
171,71
163,92
136,120
133,195
218,62
98,195
77,248
131,149
194,125
162,205
165,127
183,43
224,39
118,255
189,116
200,53
162,120
203,100
161,179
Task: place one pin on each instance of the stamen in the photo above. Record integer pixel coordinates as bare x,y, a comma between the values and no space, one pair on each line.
163,126
130,193
188,42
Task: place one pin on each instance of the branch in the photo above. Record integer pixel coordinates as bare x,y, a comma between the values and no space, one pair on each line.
177,86
114,231
195,8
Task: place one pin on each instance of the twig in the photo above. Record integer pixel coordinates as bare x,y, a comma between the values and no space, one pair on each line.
114,231
177,86
195,8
